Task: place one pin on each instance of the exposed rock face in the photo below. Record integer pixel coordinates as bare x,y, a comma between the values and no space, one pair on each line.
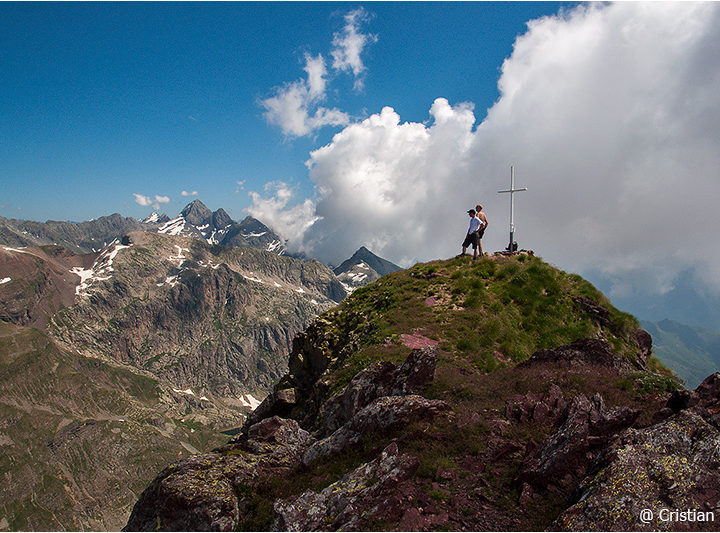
382,415
206,492
381,379
82,238
566,456
669,466
580,352
363,255
363,268
209,492
340,506
216,321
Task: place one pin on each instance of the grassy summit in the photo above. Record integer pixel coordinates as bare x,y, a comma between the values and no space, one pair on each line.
486,314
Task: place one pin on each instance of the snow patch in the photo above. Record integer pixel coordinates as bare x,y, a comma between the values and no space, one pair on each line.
4,280
173,227
300,290
21,250
274,246
189,392
256,280
179,257
248,400
100,271
170,280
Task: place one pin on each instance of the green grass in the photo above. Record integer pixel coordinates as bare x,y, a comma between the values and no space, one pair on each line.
491,312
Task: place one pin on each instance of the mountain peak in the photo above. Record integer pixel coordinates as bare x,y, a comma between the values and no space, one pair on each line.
220,219
378,264
196,213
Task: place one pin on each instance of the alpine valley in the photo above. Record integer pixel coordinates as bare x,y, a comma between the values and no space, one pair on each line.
127,344
186,374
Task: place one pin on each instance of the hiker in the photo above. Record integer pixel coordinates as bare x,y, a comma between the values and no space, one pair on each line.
472,234
481,216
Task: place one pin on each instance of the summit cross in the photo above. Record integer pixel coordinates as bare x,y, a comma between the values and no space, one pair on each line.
512,247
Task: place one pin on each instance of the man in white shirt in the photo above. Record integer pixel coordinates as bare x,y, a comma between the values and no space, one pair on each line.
472,234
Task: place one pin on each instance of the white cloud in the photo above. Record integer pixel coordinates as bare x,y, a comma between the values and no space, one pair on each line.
189,193
142,200
610,114
349,44
295,107
290,222
145,201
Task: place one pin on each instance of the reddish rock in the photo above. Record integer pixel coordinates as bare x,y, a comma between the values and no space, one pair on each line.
417,341
364,494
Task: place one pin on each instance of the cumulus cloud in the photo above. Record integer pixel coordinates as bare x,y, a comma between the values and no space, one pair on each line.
273,210
611,116
142,200
189,193
349,44
145,201
296,107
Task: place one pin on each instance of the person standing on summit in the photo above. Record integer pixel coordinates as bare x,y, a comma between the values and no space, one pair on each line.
481,216
472,234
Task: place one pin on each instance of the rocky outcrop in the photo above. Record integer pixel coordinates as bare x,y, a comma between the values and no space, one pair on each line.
646,474
546,409
382,415
647,477
568,453
363,494
380,379
209,492
580,352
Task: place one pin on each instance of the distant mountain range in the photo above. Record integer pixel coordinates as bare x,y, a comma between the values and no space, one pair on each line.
362,268
692,352
148,337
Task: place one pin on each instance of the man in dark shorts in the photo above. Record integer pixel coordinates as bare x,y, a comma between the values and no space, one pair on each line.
472,234
481,216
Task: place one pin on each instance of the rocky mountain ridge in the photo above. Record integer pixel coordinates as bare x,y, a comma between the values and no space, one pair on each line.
153,344
497,394
362,268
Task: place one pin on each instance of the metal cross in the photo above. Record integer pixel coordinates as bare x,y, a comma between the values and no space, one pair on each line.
512,190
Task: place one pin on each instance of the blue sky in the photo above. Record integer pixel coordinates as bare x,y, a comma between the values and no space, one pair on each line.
103,100
379,124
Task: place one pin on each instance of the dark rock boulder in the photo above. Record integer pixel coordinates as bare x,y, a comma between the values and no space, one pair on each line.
704,400
384,414
580,352
380,379
365,494
643,340
567,454
671,466
208,492
546,409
